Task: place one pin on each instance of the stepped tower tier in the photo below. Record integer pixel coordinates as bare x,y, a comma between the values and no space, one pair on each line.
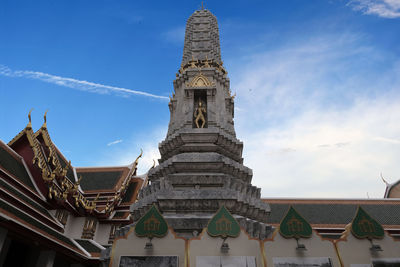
201,165
201,38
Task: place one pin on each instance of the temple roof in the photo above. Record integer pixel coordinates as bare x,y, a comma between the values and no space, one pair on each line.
10,162
101,178
38,183
336,212
392,190
201,38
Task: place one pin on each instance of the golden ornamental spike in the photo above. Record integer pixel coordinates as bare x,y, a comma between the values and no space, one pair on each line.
79,180
30,119
137,159
383,179
45,120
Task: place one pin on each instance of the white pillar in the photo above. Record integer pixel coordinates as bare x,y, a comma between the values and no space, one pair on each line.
46,258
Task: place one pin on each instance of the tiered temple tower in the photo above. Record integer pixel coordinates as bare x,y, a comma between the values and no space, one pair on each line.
201,165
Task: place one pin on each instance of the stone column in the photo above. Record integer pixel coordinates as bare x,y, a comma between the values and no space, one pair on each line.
46,258
4,245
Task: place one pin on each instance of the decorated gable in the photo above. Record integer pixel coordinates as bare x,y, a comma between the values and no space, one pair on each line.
152,224
364,226
223,225
294,226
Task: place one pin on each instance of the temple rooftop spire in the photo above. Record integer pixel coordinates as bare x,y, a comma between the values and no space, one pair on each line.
201,38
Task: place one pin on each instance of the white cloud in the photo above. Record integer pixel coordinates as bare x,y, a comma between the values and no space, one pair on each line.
389,140
74,83
288,160
114,142
381,8
321,118
127,154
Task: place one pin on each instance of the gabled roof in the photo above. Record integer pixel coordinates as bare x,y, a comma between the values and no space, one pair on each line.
336,212
98,190
56,159
35,177
392,190
102,178
14,165
131,192
27,138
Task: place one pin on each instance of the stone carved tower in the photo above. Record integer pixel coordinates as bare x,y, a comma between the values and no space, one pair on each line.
201,165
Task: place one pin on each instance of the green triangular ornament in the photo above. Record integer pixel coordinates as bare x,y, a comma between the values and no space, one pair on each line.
223,224
152,224
293,225
363,226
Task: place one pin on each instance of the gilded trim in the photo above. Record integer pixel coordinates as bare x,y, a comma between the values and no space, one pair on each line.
200,81
263,255
338,254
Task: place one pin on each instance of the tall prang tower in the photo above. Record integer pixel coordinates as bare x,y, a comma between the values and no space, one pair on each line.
201,166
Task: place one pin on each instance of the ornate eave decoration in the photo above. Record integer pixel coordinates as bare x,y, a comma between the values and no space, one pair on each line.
152,224
200,81
293,225
223,224
111,203
59,171
364,226
199,64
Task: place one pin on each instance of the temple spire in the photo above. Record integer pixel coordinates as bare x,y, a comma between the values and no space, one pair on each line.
201,37
201,165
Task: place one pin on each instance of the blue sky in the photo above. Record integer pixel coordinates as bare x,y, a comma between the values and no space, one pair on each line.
317,84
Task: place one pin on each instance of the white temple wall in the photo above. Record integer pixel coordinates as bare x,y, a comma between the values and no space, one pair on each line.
74,227
357,251
317,247
132,245
243,245
102,234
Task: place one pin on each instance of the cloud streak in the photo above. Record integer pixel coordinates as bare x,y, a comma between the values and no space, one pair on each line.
382,8
114,142
74,83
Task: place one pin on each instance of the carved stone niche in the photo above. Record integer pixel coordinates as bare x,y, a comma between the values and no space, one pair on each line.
200,110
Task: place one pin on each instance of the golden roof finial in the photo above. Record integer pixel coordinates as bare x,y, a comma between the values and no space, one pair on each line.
383,179
79,180
45,119
137,159
202,5
30,119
